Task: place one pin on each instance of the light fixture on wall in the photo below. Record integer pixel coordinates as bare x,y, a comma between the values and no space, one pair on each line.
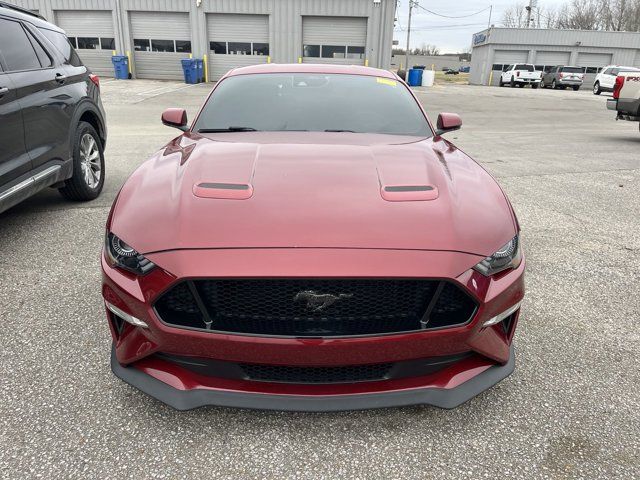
198,3
578,44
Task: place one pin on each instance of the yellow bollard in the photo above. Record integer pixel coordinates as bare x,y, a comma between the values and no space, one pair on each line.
490,77
299,59
206,68
129,60
366,62
268,59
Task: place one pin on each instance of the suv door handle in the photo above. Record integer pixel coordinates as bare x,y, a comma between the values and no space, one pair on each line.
3,91
60,78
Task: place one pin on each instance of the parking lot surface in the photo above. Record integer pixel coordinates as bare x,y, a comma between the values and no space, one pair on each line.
570,410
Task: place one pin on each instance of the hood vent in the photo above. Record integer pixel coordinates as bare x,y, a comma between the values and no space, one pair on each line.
409,193
228,191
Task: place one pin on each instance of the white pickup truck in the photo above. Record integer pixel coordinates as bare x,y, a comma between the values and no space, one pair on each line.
521,74
626,97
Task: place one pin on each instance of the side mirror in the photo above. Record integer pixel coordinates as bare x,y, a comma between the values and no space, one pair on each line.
176,118
448,122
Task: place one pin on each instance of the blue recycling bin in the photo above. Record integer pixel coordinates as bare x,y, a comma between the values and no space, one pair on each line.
415,77
121,66
191,70
200,67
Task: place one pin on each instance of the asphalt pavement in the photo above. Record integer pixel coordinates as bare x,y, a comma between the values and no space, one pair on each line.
570,410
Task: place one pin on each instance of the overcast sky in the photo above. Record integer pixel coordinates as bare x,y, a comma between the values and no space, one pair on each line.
451,35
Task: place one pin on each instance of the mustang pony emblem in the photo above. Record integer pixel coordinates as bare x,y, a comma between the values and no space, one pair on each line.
319,301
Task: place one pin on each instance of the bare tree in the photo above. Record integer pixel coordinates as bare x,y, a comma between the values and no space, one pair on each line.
515,16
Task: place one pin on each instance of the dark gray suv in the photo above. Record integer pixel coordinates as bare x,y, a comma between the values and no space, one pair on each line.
52,123
562,76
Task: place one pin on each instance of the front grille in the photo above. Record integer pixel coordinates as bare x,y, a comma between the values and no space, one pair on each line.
342,374
315,307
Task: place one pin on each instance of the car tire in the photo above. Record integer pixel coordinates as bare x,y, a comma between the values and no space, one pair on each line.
553,84
534,85
596,88
513,82
87,179
576,88
520,85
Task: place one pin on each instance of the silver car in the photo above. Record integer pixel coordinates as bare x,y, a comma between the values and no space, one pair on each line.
562,77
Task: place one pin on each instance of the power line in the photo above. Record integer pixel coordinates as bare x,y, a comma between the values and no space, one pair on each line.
449,16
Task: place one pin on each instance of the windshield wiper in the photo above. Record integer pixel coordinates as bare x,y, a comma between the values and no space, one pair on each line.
338,131
228,129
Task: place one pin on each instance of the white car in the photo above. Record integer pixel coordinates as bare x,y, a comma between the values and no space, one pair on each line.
521,74
606,79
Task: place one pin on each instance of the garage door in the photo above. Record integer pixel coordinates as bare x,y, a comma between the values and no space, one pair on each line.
236,41
510,56
334,40
594,59
160,41
91,32
553,58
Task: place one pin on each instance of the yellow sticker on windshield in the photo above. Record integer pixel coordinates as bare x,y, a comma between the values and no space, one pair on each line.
386,81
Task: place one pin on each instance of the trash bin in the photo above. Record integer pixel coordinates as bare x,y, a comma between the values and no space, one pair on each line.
427,78
190,70
200,68
415,77
419,67
121,66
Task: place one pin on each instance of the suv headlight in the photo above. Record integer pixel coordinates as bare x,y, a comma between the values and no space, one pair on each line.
509,256
126,257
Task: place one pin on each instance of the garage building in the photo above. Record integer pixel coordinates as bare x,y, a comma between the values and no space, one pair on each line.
497,48
157,34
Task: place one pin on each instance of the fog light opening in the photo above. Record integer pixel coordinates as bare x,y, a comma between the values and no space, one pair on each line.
502,316
136,322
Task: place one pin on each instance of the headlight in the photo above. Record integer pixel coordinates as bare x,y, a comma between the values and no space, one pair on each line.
509,256
124,256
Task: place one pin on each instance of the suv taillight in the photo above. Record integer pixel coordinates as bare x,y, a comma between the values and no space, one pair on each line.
618,86
95,79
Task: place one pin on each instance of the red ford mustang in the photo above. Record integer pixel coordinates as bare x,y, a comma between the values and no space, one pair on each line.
312,242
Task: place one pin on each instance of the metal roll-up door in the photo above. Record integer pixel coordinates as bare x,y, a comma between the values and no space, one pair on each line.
236,40
92,33
340,40
594,59
508,57
160,40
553,58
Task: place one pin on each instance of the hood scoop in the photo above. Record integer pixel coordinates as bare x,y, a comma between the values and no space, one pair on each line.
225,191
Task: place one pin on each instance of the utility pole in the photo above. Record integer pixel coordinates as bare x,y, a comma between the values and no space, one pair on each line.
529,14
406,55
490,12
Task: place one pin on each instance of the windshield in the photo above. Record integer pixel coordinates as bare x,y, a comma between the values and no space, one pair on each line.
572,69
312,102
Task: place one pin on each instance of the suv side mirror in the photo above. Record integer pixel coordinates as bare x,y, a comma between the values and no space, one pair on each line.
176,118
448,122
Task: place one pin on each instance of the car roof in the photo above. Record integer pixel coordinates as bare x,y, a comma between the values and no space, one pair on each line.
22,14
311,68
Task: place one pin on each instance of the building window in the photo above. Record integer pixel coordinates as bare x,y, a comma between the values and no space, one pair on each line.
312,51
333,51
88,43
592,69
72,41
496,67
219,48
108,43
162,46
355,52
141,45
239,48
260,49
183,46
539,68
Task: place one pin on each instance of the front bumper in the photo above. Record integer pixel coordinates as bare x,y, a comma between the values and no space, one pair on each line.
135,356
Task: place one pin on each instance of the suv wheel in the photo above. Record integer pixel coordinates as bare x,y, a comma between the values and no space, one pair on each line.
513,82
596,88
553,85
88,165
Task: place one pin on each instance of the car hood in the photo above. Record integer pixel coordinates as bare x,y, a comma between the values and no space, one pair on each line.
325,190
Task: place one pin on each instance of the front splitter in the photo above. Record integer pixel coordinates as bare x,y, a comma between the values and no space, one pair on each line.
200,397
